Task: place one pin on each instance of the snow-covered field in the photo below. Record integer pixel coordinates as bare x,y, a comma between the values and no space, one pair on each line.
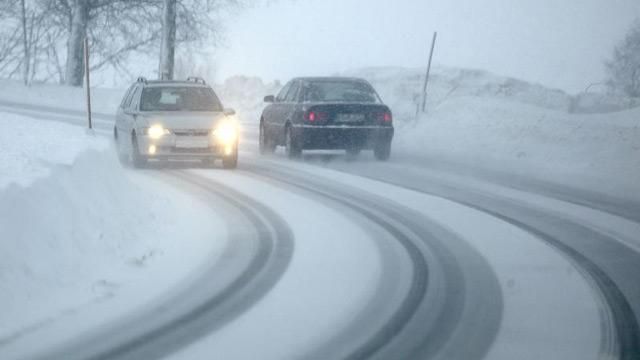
600,152
77,230
477,120
103,100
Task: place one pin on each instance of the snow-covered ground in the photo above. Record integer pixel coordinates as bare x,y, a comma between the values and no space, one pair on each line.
475,120
103,100
77,230
600,152
106,232
478,120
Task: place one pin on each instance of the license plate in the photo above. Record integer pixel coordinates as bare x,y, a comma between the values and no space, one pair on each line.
350,117
192,142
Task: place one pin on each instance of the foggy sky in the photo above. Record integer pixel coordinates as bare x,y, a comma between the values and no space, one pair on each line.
559,43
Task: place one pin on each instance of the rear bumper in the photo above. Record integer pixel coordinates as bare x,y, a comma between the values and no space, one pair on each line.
318,137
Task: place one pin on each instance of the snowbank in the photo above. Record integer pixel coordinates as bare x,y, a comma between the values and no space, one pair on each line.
103,100
479,120
598,152
29,149
401,88
76,228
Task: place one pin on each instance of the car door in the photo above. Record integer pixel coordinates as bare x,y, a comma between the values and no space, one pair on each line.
120,114
130,111
290,104
274,123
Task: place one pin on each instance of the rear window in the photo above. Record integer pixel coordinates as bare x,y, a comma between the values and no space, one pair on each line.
173,98
340,91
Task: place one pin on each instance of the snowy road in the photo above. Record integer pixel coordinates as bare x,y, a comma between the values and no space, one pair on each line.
358,259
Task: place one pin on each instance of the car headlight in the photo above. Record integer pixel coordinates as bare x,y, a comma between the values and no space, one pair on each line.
226,132
156,131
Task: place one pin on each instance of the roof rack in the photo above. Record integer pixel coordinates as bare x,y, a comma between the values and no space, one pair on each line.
142,79
197,80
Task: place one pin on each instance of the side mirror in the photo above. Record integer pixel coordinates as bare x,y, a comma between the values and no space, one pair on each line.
269,99
229,112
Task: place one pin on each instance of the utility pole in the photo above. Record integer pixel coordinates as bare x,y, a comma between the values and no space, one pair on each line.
168,45
426,78
87,81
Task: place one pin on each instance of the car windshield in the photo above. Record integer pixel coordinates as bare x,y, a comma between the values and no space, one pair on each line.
340,91
174,98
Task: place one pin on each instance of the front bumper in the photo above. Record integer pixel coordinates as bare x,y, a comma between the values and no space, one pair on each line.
184,147
337,137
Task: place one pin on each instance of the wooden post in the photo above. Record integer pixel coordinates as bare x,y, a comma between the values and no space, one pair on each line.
426,78
87,80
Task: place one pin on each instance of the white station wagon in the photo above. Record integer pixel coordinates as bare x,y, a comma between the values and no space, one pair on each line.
168,120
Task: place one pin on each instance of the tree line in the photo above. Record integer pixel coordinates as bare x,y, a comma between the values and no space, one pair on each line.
43,39
624,66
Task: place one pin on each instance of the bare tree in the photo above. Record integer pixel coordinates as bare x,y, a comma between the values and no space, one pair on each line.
168,45
21,35
624,67
25,43
77,33
189,23
45,40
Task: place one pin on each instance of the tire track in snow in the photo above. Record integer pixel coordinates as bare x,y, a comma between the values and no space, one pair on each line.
604,261
425,325
163,329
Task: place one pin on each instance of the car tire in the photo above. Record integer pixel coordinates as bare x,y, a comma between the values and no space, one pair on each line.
382,151
231,161
353,153
208,162
137,160
267,146
123,157
291,146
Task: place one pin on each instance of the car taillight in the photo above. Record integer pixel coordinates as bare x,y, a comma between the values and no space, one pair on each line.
384,117
313,116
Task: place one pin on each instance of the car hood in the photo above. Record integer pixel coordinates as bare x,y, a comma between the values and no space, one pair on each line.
183,120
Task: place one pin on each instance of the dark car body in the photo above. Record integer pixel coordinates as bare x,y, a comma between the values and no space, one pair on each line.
327,113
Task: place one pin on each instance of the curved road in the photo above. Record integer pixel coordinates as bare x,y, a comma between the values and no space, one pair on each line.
255,259
454,301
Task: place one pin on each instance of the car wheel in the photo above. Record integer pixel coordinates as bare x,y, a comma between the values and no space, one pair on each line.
266,145
231,161
291,147
137,159
353,152
382,151
123,157
208,162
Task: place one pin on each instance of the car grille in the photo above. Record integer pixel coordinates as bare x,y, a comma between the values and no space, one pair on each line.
191,132
191,150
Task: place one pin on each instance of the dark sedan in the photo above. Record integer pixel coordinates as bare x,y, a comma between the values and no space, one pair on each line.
327,113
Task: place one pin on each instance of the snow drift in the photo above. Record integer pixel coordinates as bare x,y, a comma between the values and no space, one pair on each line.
479,120
77,229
